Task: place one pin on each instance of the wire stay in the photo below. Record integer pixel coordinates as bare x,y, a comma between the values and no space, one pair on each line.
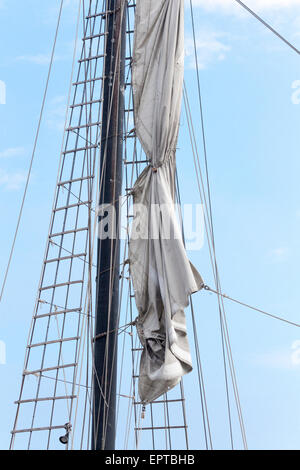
225,296
268,26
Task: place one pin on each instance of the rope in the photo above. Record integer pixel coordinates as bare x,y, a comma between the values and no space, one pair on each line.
225,296
211,241
33,152
209,229
92,240
268,26
122,328
104,378
113,252
202,391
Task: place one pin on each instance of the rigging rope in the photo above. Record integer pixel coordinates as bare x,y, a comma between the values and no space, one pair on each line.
225,296
221,296
33,152
211,241
202,390
88,333
207,229
268,26
106,381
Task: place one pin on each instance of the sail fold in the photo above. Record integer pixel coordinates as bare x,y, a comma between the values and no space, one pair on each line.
163,278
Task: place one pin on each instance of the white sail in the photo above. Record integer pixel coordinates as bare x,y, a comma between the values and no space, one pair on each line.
162,275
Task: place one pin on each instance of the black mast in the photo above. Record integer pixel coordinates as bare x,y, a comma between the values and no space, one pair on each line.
108,265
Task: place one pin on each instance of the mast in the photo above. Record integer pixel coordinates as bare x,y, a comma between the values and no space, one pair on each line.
108,258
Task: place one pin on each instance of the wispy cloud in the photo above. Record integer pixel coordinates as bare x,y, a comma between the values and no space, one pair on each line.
12,152
50,11
279,254
211,48
44,58
38,59
12,181
57,112
296,26
284,359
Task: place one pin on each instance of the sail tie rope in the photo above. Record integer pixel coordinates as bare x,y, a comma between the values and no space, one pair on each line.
123,328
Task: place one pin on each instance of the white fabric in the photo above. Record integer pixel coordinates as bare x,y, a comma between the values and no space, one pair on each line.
162,275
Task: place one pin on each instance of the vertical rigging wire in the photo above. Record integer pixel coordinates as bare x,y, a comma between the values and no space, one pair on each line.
202,391
211,236
34,151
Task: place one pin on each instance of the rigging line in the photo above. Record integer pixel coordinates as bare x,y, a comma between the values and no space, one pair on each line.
128,294
131,409
202,391
225,296
81,136
81,259
123,328
208,229
61,359
90,325
268,26
233,375
216,280
74,381
78,198
107,380
63,381
131,406
37,300
206,424
122,362
34,150
214,265
81,353
213,252
69,252
62,335
202,117
134,363
59,306
87,359
87,300
100,186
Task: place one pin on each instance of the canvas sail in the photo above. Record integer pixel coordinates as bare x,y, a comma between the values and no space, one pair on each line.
163,278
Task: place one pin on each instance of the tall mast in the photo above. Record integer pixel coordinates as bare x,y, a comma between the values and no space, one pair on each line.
108,259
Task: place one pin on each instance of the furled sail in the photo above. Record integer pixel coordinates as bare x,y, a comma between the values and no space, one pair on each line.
163,278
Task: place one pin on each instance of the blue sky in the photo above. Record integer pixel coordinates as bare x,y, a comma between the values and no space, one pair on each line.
252,126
